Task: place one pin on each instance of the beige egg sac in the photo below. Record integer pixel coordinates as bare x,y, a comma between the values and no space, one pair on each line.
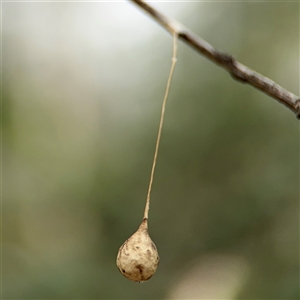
138,258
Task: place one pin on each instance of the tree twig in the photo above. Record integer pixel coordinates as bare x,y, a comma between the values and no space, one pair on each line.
237,70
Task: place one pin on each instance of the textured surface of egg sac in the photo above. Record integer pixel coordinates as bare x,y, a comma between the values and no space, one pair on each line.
138,258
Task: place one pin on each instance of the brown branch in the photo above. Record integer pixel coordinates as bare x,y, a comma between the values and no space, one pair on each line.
237,70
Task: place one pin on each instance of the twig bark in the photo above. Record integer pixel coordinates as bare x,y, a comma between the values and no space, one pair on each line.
237,70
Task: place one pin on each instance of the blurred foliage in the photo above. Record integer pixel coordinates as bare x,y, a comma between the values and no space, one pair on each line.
80,116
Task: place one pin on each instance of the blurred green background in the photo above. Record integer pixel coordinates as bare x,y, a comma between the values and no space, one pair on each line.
83,85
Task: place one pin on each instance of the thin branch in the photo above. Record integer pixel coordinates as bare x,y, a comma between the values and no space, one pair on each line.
237,70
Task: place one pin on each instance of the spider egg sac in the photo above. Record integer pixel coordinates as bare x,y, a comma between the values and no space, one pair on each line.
138,258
